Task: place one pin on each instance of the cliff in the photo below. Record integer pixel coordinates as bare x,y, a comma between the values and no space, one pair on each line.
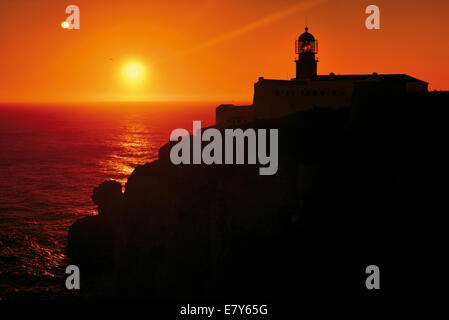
352,188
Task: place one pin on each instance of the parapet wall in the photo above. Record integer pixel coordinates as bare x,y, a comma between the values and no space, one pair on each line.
228,115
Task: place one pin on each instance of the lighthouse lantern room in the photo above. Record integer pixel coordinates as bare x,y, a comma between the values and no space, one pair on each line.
306,47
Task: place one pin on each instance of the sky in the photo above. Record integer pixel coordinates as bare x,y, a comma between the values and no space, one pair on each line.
207,50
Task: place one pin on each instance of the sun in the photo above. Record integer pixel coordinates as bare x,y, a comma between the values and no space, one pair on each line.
133,72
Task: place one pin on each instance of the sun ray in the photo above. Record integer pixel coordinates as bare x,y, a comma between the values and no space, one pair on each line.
249,27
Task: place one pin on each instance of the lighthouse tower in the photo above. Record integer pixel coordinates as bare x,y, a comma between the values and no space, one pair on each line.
306,47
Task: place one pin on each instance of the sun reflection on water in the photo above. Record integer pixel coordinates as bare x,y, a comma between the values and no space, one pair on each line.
49,168
134,145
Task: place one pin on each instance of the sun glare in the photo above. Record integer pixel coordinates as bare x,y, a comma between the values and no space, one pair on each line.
133,72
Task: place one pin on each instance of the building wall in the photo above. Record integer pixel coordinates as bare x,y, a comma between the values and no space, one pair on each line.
416,86
274,99
228,115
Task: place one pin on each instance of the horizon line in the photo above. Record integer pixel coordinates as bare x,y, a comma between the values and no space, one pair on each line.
125,101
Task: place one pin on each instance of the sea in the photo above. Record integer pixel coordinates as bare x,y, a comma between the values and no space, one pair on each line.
51,158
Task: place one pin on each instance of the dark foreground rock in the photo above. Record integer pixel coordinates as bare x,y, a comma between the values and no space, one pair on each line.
354,188
91,240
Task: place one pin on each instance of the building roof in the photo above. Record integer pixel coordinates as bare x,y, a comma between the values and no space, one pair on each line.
368,77
348,77
231,106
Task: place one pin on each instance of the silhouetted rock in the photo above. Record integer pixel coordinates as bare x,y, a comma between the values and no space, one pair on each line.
91,240
108,197
353,188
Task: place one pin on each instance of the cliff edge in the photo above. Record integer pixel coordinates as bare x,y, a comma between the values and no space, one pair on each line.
352,188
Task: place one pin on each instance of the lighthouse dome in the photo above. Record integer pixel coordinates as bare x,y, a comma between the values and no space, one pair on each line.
306,37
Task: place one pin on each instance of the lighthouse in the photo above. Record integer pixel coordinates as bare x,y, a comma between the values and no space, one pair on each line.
306,47
277,98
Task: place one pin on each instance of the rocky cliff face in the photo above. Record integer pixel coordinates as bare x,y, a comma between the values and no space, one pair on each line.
341,200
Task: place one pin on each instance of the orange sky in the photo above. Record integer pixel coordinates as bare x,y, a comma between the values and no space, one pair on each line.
207,49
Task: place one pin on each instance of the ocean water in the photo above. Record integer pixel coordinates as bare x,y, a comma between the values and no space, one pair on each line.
51,157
